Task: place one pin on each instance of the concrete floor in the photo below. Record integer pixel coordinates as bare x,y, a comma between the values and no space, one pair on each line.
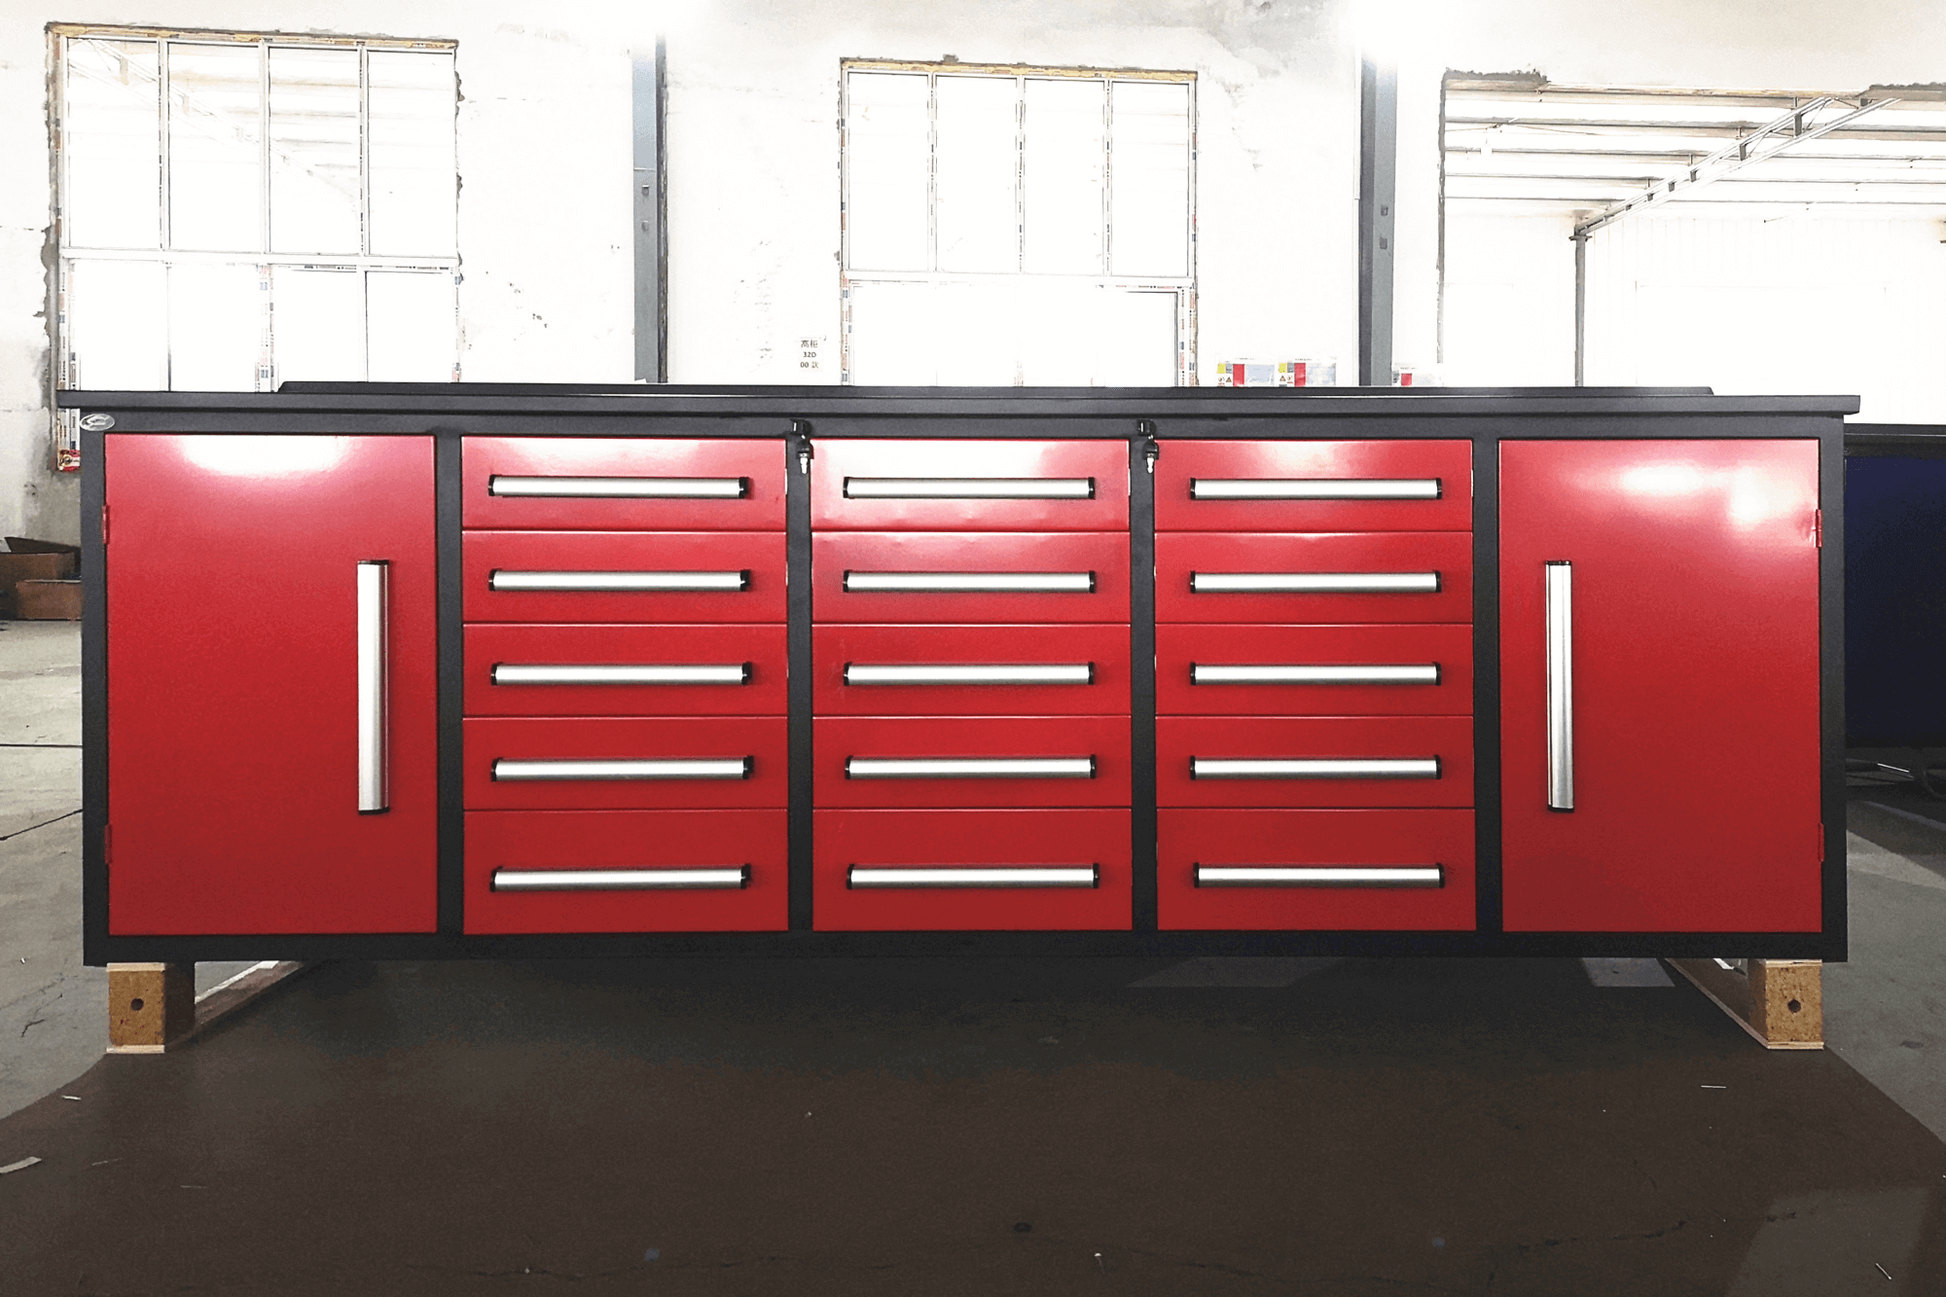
53,1009
1885,1011
1357,1126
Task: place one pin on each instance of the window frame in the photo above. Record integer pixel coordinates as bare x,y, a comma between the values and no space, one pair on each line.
1182,286
63,375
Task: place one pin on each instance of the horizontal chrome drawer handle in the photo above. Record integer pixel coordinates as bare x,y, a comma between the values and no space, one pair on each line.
703,768
620,488
1009,673
969,767
970,582
620,880
534,673
969,488
992,876
1315,768
1204,673
500,579
1314,582
1314,488
1320,876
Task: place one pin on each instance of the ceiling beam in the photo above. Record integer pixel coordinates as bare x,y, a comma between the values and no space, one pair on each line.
1786,132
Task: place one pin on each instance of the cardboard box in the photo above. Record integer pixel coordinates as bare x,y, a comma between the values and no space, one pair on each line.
48,600
27,545
15,568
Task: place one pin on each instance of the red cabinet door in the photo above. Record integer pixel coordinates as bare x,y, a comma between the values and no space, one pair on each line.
1690,637
233,684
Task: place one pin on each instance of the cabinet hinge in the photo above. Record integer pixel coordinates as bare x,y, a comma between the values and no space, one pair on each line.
107,843
104,524
1817,526
1820,844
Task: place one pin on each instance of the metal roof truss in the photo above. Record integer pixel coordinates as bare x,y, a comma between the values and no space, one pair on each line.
1601,153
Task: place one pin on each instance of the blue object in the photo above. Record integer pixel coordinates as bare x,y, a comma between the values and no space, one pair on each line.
1895,601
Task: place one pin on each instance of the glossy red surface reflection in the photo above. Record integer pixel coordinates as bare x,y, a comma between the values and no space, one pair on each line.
232,684
1695,658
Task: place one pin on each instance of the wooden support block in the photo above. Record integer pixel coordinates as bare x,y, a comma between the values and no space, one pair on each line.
150,1006
1787,997
1778,1001
153,1008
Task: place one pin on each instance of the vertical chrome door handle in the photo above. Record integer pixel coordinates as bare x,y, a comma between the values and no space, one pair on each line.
1560,686
372,656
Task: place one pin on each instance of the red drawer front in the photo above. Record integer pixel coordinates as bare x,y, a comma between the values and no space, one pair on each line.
1448,740
1314,486
1070,740
665,484
874,841
889,667
734,670
1395,852
544,860
966,485
1273,559
718,559
1205,670
1086,574
721,741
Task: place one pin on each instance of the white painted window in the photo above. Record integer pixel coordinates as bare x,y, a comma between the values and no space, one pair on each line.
239,210
1018,226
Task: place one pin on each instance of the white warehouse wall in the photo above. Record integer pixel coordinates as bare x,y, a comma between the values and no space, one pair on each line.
544,157
1850,303
1509,300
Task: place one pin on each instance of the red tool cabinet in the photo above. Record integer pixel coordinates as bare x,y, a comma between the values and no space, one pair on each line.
422,671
